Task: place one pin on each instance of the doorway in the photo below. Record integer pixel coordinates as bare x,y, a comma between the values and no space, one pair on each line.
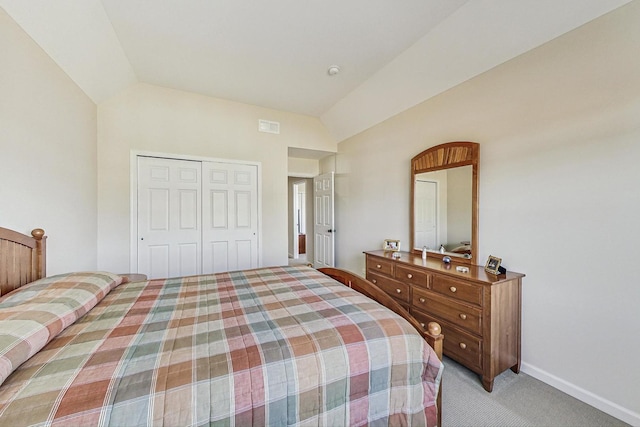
300,236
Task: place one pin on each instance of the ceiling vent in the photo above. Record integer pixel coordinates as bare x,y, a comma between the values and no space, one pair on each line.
268,127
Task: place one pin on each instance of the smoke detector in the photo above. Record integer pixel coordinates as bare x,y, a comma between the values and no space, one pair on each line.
333,70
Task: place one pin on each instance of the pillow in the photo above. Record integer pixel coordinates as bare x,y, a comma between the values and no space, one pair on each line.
34,314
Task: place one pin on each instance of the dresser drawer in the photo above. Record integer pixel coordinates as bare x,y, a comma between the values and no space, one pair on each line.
396,289
379,265
463,347
412,276
458,345
468,318
457,289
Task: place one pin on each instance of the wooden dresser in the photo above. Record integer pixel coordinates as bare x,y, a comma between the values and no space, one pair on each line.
479,312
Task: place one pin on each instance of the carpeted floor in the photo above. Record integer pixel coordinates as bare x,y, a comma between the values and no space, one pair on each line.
516,400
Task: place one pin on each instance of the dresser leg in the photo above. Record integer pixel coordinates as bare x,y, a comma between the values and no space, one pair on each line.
516,368
487,383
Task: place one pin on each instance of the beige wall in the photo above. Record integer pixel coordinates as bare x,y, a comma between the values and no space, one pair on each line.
559,131
47,152
303,167
154,119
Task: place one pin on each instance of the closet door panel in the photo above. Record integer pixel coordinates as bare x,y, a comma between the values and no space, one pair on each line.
169,217
230,229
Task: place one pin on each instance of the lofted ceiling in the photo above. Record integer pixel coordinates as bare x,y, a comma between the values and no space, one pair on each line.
392,55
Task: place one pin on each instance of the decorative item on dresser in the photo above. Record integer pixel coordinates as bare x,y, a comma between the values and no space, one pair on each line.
391,245
479,313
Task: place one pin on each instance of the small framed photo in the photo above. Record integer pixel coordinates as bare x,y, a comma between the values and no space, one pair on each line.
493,265
391,245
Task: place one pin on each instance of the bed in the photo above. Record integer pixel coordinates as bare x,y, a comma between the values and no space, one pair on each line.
270,346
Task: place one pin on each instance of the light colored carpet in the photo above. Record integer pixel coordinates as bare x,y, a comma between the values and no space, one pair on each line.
516,400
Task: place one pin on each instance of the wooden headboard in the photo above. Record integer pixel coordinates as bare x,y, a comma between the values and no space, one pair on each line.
22,258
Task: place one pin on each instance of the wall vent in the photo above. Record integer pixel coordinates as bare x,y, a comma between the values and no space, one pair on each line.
268,127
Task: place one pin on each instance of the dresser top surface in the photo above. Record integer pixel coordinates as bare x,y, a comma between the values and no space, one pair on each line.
476,272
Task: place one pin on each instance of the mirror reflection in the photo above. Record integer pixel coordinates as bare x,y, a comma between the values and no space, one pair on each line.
443,203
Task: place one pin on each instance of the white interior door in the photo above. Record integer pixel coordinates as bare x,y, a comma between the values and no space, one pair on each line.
426,218
230,217
169,217
323,221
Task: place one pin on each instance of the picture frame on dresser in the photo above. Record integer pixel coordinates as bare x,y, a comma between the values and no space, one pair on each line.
493,265
391,245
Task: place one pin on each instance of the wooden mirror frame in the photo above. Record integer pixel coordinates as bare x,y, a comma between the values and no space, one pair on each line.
447,156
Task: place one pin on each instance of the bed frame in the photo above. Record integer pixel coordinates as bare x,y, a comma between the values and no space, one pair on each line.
22,258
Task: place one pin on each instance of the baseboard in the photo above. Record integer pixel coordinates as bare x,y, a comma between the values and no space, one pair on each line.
583,395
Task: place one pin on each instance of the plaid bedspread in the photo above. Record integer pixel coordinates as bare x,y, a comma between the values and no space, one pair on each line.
273,346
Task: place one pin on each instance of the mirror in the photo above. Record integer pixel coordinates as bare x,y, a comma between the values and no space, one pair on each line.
444,201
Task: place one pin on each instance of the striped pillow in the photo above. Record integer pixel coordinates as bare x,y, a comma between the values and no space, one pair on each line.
34,314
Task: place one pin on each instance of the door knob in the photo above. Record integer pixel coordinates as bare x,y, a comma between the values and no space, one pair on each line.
330,231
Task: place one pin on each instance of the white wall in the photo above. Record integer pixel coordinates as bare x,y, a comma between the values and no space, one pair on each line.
151,118
559,131
47,152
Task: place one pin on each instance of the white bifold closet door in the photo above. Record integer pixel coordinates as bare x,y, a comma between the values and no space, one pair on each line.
169,217
230,219
196,217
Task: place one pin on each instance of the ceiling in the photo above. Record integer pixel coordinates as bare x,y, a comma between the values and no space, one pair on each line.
275,54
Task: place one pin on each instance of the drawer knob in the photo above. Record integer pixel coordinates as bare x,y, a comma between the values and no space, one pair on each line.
398,291
453,289
409,275
423,300
463,316
378,266
463,345
374,281
422,324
